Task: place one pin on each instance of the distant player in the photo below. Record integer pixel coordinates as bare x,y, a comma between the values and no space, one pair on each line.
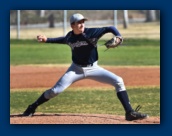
83,44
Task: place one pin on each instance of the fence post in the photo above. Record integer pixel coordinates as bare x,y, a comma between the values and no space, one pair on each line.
115,18
18,24
125,19
65,22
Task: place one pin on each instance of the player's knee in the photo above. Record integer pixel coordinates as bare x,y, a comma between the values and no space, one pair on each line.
119,84
120,80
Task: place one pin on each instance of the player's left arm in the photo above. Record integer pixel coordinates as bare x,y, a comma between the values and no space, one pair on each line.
118,39
115,41
117,35
113,30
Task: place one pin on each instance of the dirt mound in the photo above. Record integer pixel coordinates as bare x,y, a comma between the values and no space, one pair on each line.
78,119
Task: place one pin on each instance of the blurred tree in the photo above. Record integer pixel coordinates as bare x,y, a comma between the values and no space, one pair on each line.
51,20
158,15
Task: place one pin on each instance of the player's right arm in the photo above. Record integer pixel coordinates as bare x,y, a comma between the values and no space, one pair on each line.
44,39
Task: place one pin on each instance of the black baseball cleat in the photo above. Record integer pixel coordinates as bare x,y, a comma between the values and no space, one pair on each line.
29,111
135,115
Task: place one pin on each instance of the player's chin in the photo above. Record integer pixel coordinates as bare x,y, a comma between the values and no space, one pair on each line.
81,30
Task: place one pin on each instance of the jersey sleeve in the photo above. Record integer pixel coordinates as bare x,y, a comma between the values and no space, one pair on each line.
113,30
56,40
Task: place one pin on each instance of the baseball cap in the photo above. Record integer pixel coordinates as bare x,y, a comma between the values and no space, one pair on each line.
77,17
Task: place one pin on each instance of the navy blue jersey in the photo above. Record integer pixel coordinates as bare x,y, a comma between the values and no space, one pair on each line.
84,46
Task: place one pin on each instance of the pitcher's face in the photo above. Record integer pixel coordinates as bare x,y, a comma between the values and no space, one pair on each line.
78,27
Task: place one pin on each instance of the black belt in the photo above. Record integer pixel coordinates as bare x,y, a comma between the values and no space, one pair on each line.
85,65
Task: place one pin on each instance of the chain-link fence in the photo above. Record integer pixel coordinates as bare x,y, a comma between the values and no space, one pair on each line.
51,22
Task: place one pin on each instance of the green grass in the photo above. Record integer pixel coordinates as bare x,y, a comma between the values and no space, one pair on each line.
141,55
88,101
138,52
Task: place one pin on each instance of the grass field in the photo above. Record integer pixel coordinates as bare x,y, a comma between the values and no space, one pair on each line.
138,52
97,101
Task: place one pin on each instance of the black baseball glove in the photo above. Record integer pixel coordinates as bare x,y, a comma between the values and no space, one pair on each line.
114,42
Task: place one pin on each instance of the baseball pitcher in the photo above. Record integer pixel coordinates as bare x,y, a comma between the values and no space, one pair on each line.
83,44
